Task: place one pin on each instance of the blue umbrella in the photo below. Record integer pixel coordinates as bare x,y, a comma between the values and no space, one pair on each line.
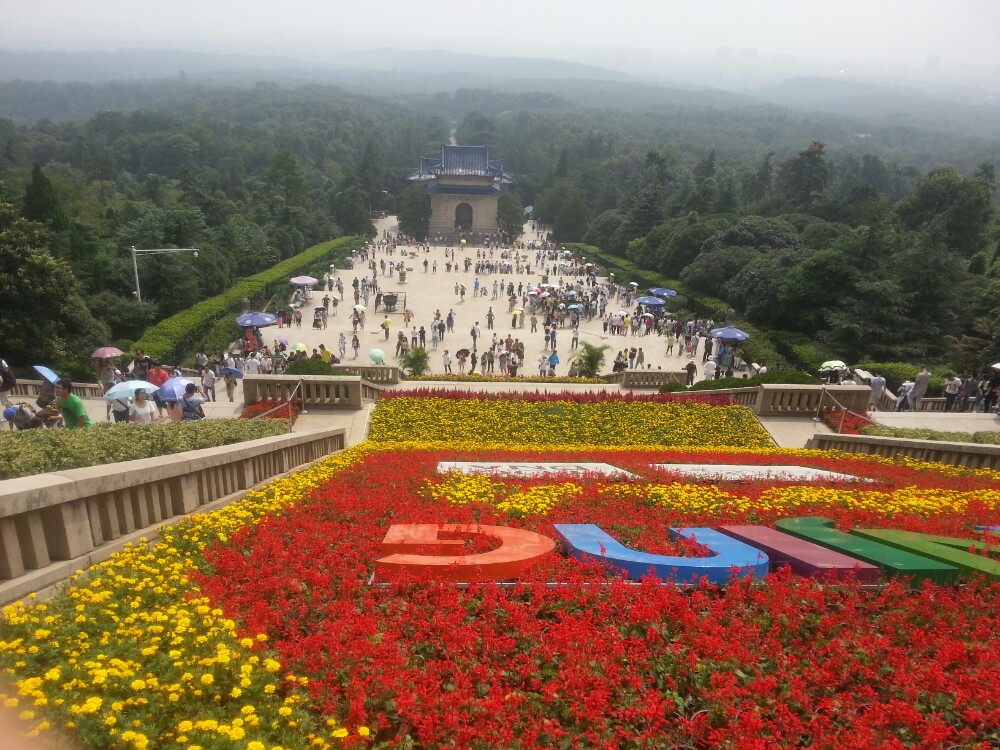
256,319
662,291
173,389
128,388
46,373
650,301
238,373
729,334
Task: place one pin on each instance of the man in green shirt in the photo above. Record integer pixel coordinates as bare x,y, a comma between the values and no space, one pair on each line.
71,406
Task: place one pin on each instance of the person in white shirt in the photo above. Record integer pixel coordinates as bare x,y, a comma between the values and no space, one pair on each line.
142,410
208,382
252,364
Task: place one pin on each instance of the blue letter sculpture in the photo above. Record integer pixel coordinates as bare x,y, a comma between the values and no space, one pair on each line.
585,541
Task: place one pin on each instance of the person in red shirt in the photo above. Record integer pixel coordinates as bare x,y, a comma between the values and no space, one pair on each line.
157,376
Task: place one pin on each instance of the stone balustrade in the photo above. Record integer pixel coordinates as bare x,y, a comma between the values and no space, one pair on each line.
28,389
314,391
776,400
645,378
969,455
381,374
52,524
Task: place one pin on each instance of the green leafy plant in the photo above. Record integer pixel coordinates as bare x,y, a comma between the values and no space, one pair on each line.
415,362
590,359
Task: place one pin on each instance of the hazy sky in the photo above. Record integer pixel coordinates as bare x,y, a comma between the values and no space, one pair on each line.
904,32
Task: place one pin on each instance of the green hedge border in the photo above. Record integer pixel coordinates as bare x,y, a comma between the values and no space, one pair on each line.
170,339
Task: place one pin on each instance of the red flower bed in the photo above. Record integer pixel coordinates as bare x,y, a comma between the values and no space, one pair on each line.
576,397
282,410
598,662
845,424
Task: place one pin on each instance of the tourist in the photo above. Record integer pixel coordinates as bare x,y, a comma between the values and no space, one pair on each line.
74,413
952,386
355,345
446,361
692,371
230,380
190,403
208,378
877,384
142,410
920,384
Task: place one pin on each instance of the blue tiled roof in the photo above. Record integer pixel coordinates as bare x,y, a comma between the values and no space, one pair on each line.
462,161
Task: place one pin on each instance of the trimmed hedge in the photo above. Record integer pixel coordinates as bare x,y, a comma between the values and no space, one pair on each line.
758,348
913,433
803,352
170,339
779,377
309,367
28,452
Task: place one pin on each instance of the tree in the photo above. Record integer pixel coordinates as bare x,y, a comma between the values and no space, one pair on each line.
709,271
962,208
47,318
415,211
590,360
757,185
814,286
286,178
571,221
802,178
41,203
510,216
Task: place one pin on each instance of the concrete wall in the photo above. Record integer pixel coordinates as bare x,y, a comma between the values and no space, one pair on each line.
52,524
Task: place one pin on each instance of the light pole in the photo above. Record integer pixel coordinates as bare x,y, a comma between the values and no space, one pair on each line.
135,266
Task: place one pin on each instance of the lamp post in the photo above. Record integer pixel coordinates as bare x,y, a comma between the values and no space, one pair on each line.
160,251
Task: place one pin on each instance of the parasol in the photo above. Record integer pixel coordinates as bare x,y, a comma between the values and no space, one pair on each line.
303,280
128,388
729,334
106,351
256,320
377,356
46,373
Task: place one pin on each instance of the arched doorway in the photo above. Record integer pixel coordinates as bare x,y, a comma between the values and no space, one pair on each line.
463,217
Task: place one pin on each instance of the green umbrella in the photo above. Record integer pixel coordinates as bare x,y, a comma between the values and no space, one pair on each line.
833,364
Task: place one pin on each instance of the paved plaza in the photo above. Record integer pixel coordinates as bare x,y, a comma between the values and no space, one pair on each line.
428,292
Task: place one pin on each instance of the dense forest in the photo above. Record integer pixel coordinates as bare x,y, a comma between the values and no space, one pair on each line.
878,240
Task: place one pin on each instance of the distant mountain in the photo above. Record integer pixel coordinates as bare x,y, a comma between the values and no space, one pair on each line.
443,61
134,64
127,65
899,105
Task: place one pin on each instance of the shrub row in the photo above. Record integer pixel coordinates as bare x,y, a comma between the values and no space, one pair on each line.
803,352
914,433
170,339
758,348
38,451
781,377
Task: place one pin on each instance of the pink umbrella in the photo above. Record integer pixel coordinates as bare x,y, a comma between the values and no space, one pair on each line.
106,351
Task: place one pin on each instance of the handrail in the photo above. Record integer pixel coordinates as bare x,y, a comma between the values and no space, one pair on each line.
844,411
291,398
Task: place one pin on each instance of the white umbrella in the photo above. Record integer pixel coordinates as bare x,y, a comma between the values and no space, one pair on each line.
128,388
